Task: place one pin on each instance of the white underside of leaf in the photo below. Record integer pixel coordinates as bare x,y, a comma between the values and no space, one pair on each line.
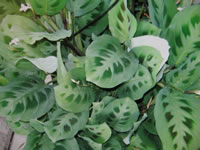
156,42
48,64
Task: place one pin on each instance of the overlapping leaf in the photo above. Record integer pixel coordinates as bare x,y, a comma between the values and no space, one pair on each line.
146,28
47,7
98,133
99,26
184,34
120,114
65,125
122,23
29,31
139,84
107,65
72,93
25,99
162,12
187,74
38,141
150,58
81,7
177,119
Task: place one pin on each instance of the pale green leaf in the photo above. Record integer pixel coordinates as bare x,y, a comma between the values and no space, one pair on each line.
177,120
73,94
25,99
160,44
107,64
150,58
184,34
98,133
120,114
28,31
186,75
65,125
146,28
138,85
122,23
93,145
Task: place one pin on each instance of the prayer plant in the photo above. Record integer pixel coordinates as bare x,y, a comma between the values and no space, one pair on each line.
101,74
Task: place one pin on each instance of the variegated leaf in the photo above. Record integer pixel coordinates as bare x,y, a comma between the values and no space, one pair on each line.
98,133
184,34
107,64
47,7
162,12
73,94
187,74
65,125
120,114
100,25
122,23
82,7
150,58
25,99
177,119
138,85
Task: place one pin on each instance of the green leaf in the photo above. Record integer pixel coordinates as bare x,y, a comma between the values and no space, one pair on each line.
122,23
47,7
184,34
114,143
81,7
19,127
107,65
150,58
100,25
37,125
159,44
73,94
145,141
38,141
162,12
65,125
28,31
146,28
138,85
98,133
187,74
93,145
177,120
120,114
25,99
9,7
